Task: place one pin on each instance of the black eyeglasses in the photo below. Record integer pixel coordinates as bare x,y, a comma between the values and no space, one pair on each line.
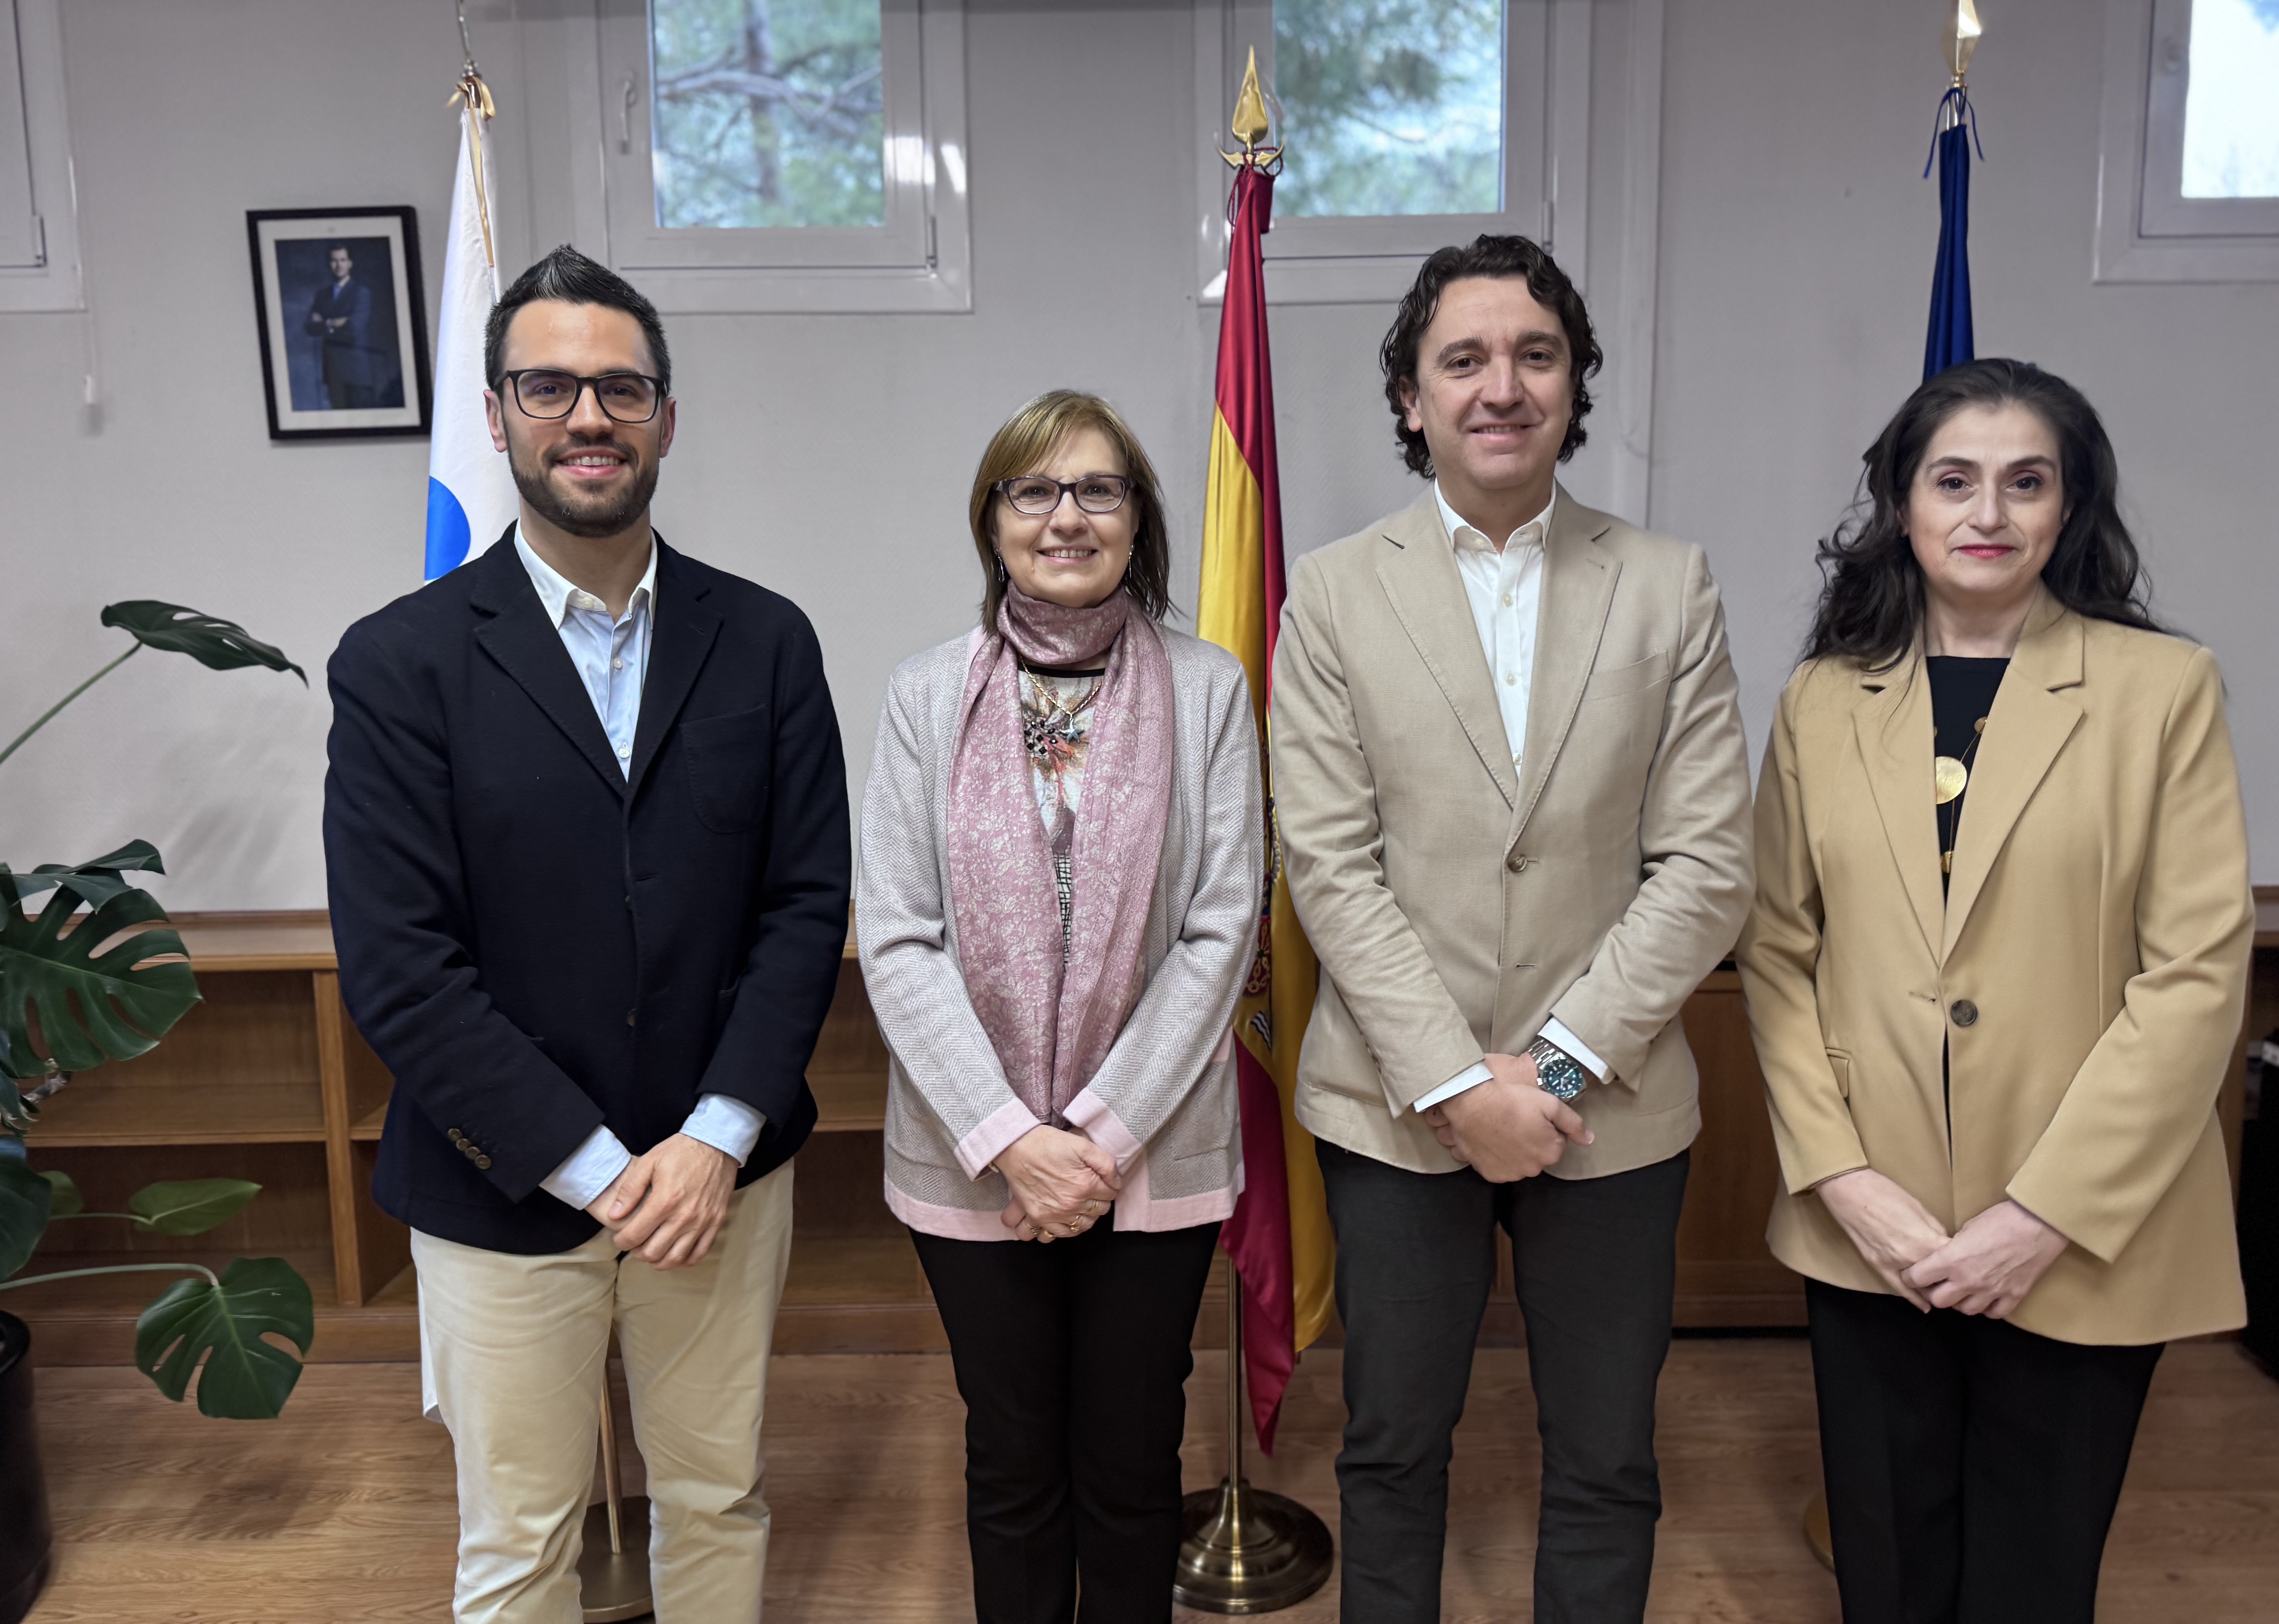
549,396
1034,493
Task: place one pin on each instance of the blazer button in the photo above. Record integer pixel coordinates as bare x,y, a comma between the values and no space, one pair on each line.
455,1135
1965,1012
483,1163
1516,862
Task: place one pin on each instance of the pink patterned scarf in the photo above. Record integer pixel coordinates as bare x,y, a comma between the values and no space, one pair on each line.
1053,1024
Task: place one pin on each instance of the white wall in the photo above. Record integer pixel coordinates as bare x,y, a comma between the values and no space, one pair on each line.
1796,246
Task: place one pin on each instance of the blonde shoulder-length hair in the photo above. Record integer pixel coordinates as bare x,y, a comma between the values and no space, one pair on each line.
1029,436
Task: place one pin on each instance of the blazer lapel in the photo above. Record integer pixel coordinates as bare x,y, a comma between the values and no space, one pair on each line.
1578,591
1418,573
514,635
682,632
1892,723
2029,724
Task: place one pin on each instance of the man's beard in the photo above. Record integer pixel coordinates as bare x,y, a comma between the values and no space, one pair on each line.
600,517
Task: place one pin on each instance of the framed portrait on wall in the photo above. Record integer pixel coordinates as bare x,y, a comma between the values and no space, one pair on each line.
343,322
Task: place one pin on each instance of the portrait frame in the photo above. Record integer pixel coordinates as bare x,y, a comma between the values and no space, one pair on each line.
342,357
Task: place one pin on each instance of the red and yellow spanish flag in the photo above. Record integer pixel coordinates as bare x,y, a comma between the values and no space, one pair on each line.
1279,1236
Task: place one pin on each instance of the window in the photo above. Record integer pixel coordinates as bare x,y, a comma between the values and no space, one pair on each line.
1397,105
2231,100
2188,185
1408,124
785,155
767,114
39,230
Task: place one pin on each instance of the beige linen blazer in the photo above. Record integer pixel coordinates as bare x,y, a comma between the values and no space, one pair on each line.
2086,969
1456,902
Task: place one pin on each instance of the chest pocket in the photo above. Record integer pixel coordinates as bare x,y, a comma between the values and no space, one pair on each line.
730,764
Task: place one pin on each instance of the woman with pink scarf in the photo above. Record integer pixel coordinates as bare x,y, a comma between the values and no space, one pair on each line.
1063,846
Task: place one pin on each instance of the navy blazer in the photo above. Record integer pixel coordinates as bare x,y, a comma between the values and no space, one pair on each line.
536,943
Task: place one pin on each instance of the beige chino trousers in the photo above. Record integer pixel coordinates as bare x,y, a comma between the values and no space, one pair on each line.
514,1349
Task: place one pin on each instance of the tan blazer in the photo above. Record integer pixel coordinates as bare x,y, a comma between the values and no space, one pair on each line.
2086,968
1456,904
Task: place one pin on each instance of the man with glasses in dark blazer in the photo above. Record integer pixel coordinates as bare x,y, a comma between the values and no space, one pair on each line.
588,840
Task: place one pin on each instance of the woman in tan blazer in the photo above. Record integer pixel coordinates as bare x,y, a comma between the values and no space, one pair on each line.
1995,972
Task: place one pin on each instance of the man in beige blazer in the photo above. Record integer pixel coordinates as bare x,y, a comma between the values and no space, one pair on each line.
1513,801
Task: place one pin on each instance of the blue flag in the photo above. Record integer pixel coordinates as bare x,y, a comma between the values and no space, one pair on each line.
1950,340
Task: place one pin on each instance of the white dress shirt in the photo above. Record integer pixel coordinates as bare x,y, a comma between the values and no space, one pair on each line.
612,661
1504,587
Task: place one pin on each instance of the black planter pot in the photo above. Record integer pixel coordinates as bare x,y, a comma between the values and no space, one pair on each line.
27,1539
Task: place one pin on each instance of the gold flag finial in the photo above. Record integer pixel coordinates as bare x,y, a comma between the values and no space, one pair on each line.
1249,124
1960,37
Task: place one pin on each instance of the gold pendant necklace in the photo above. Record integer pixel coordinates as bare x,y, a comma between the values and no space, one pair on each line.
1950,776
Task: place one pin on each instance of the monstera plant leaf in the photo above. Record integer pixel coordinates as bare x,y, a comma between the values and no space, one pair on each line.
25,1201
222,1324
65,1200
190,1205
222,645
96,1000
94,881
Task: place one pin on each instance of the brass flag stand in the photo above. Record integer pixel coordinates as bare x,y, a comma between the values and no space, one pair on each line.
1246,1550
613,1566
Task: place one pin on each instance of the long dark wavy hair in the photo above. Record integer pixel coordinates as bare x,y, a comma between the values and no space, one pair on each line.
1871,594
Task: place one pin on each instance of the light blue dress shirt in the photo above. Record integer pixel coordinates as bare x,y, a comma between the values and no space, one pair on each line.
612,661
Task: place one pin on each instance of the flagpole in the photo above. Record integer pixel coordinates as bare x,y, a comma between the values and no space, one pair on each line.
1248,1549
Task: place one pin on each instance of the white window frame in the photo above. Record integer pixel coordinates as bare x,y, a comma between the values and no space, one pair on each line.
920,259
44,242
2146,230
1350,260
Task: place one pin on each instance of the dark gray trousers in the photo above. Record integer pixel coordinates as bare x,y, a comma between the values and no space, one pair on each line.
1596,1266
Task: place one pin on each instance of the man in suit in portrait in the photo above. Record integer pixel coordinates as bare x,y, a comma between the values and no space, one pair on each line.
1513,801
588,840
340,320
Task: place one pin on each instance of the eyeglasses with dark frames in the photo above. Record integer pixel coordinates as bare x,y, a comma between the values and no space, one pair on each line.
1035,495
551,395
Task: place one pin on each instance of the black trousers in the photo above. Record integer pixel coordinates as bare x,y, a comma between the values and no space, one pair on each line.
1972,1467
1596,1266
1072,1358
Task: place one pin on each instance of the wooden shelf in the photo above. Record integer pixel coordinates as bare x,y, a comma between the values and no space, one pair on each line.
366,1129
279,941
849,1101
94,1110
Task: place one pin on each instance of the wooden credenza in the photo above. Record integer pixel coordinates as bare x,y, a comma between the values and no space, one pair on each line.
268,1080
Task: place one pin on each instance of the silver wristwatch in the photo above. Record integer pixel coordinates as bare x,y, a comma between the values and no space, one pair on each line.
1556,1069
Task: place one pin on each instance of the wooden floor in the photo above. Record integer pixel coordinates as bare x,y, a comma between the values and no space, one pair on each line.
343,1510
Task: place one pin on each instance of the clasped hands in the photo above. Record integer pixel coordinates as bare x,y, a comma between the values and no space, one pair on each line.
667,1207
1062,1183
1509,1127
1985,1267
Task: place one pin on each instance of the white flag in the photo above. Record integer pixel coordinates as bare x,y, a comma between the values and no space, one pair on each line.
471,494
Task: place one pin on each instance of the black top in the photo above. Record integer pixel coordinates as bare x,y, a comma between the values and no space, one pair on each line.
537,941
1962,692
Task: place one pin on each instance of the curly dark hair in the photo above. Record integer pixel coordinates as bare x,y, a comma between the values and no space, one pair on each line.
1871,594
1517,257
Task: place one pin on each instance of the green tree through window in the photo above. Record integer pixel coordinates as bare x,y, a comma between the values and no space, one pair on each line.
767,113
1390,106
